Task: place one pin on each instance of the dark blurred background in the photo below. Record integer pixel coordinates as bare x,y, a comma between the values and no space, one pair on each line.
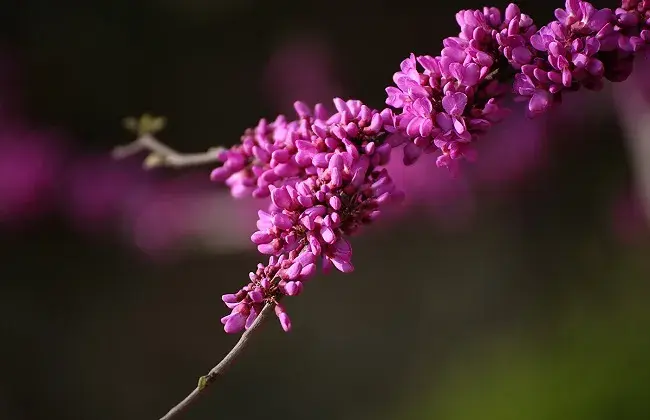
518,291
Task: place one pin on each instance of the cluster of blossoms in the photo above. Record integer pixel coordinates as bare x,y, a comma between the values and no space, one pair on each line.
281,152
325,178
325,175
581,48
449,100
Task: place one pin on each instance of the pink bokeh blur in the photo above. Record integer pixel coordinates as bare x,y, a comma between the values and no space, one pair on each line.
42,172
45,173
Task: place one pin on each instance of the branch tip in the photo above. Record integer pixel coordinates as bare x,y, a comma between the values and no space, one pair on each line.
160,154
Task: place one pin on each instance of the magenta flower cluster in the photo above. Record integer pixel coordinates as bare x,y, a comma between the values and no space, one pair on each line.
581,48
284,151
324,173
324,176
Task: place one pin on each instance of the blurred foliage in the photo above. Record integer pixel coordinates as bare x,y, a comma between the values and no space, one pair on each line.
591,364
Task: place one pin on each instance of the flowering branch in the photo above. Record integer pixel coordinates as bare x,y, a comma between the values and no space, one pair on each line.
325,174
218,370
160,154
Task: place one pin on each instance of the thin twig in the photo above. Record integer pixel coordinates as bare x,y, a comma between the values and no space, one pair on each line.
163,155
219,370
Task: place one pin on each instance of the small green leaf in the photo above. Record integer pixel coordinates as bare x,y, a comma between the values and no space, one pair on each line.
146,124
156,124
153,160
203,382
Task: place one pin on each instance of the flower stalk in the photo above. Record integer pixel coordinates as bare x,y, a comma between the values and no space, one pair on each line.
217,371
